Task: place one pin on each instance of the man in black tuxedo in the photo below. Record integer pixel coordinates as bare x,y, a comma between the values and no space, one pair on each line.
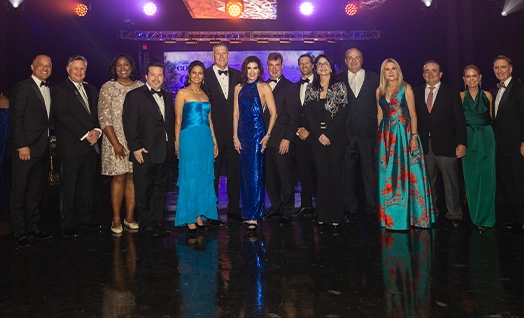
75,106
508,126
442,128
279,178
221,81
29,117
303,152
361,126
149,126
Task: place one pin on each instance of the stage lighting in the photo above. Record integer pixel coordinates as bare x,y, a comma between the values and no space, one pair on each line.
234,8
149,8
81,9
16,3
504,13
306,8
427,3
351,8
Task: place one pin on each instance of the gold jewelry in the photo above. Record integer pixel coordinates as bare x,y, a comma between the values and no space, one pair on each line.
196,91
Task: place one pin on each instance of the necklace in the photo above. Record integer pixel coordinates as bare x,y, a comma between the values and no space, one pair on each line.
126,83
197,91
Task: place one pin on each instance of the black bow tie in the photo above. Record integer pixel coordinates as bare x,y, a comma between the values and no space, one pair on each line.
157,92
44,83
272,80
501,85
304,81
222,72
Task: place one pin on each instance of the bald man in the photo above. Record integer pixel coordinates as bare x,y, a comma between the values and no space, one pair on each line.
29,113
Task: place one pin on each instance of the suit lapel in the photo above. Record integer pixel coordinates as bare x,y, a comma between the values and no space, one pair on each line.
504,98
151,99
78,96
231,90
37,92
348,87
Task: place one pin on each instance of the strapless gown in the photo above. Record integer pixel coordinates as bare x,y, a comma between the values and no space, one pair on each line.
404,193
196,193
251,130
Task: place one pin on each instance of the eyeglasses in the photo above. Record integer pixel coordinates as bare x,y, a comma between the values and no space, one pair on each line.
323,64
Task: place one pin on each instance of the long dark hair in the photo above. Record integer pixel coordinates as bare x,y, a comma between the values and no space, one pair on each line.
203,85
251,59
316,81
112,69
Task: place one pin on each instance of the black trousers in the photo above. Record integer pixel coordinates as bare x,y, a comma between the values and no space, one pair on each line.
29,182
511,169
306,168
279,181
329,161
151,185
359,151
77,184
227,152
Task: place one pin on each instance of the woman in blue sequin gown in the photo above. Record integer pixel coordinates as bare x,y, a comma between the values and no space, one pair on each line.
196,148
250,137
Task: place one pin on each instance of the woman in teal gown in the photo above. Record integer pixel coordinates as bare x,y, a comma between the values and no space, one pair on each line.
250,137
404,193
479,162
196,148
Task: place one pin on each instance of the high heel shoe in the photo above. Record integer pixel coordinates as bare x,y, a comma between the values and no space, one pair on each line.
201,228
251,229
192,232
132,226
335,229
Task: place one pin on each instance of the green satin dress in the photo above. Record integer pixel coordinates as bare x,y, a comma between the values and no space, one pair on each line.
479,162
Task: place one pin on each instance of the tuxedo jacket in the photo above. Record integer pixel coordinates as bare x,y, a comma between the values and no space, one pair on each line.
294,92
28,119
145,127
73,120
222,108
286,124
446,124
362,110
508,124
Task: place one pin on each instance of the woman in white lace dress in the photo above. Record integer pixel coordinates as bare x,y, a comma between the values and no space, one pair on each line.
115,154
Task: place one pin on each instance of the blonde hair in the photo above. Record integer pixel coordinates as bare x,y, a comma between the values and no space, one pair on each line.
383,81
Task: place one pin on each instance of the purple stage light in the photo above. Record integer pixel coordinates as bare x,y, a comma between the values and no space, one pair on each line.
149,8
306,8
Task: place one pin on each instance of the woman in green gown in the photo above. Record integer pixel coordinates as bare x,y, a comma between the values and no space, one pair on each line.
479,162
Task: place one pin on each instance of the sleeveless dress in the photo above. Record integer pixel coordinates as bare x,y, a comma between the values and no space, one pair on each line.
404,192
196,194
479,162
251,130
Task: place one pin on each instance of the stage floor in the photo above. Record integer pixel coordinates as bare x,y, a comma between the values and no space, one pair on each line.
296,271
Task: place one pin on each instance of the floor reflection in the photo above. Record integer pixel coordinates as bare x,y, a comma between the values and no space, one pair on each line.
407,257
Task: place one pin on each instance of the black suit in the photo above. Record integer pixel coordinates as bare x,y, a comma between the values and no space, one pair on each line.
222,117
145,127
361,126
279,176
29,123
508,126
77,157
440,132
303,151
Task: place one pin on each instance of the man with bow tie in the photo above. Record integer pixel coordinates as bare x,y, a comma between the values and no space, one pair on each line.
29,117
221,81
148,119
279,179
75,106
508,126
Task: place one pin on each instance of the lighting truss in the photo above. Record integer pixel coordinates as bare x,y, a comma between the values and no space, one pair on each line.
249,36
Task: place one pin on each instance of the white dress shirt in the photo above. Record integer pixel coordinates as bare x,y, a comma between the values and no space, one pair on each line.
223,80
303,87
359,78
500,93
46,94
435,92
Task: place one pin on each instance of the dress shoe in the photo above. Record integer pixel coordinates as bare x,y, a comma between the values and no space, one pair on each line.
161,228
215,223
335,229
132,226
350,218
234,217
284,221
117,230
515,226
90,226
40,235
70,233
150,230
304,211
273,212
23,241
456,222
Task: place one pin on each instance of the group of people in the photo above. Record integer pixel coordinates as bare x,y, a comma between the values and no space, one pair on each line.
327,124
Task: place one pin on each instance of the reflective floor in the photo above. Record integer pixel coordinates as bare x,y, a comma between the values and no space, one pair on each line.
298,271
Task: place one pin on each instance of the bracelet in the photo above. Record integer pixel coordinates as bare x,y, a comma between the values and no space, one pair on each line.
268,135
235,140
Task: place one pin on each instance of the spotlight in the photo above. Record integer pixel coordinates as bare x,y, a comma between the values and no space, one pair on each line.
351,8
81,9
16,3
306,8
234,8
504,13
149,8
427,3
